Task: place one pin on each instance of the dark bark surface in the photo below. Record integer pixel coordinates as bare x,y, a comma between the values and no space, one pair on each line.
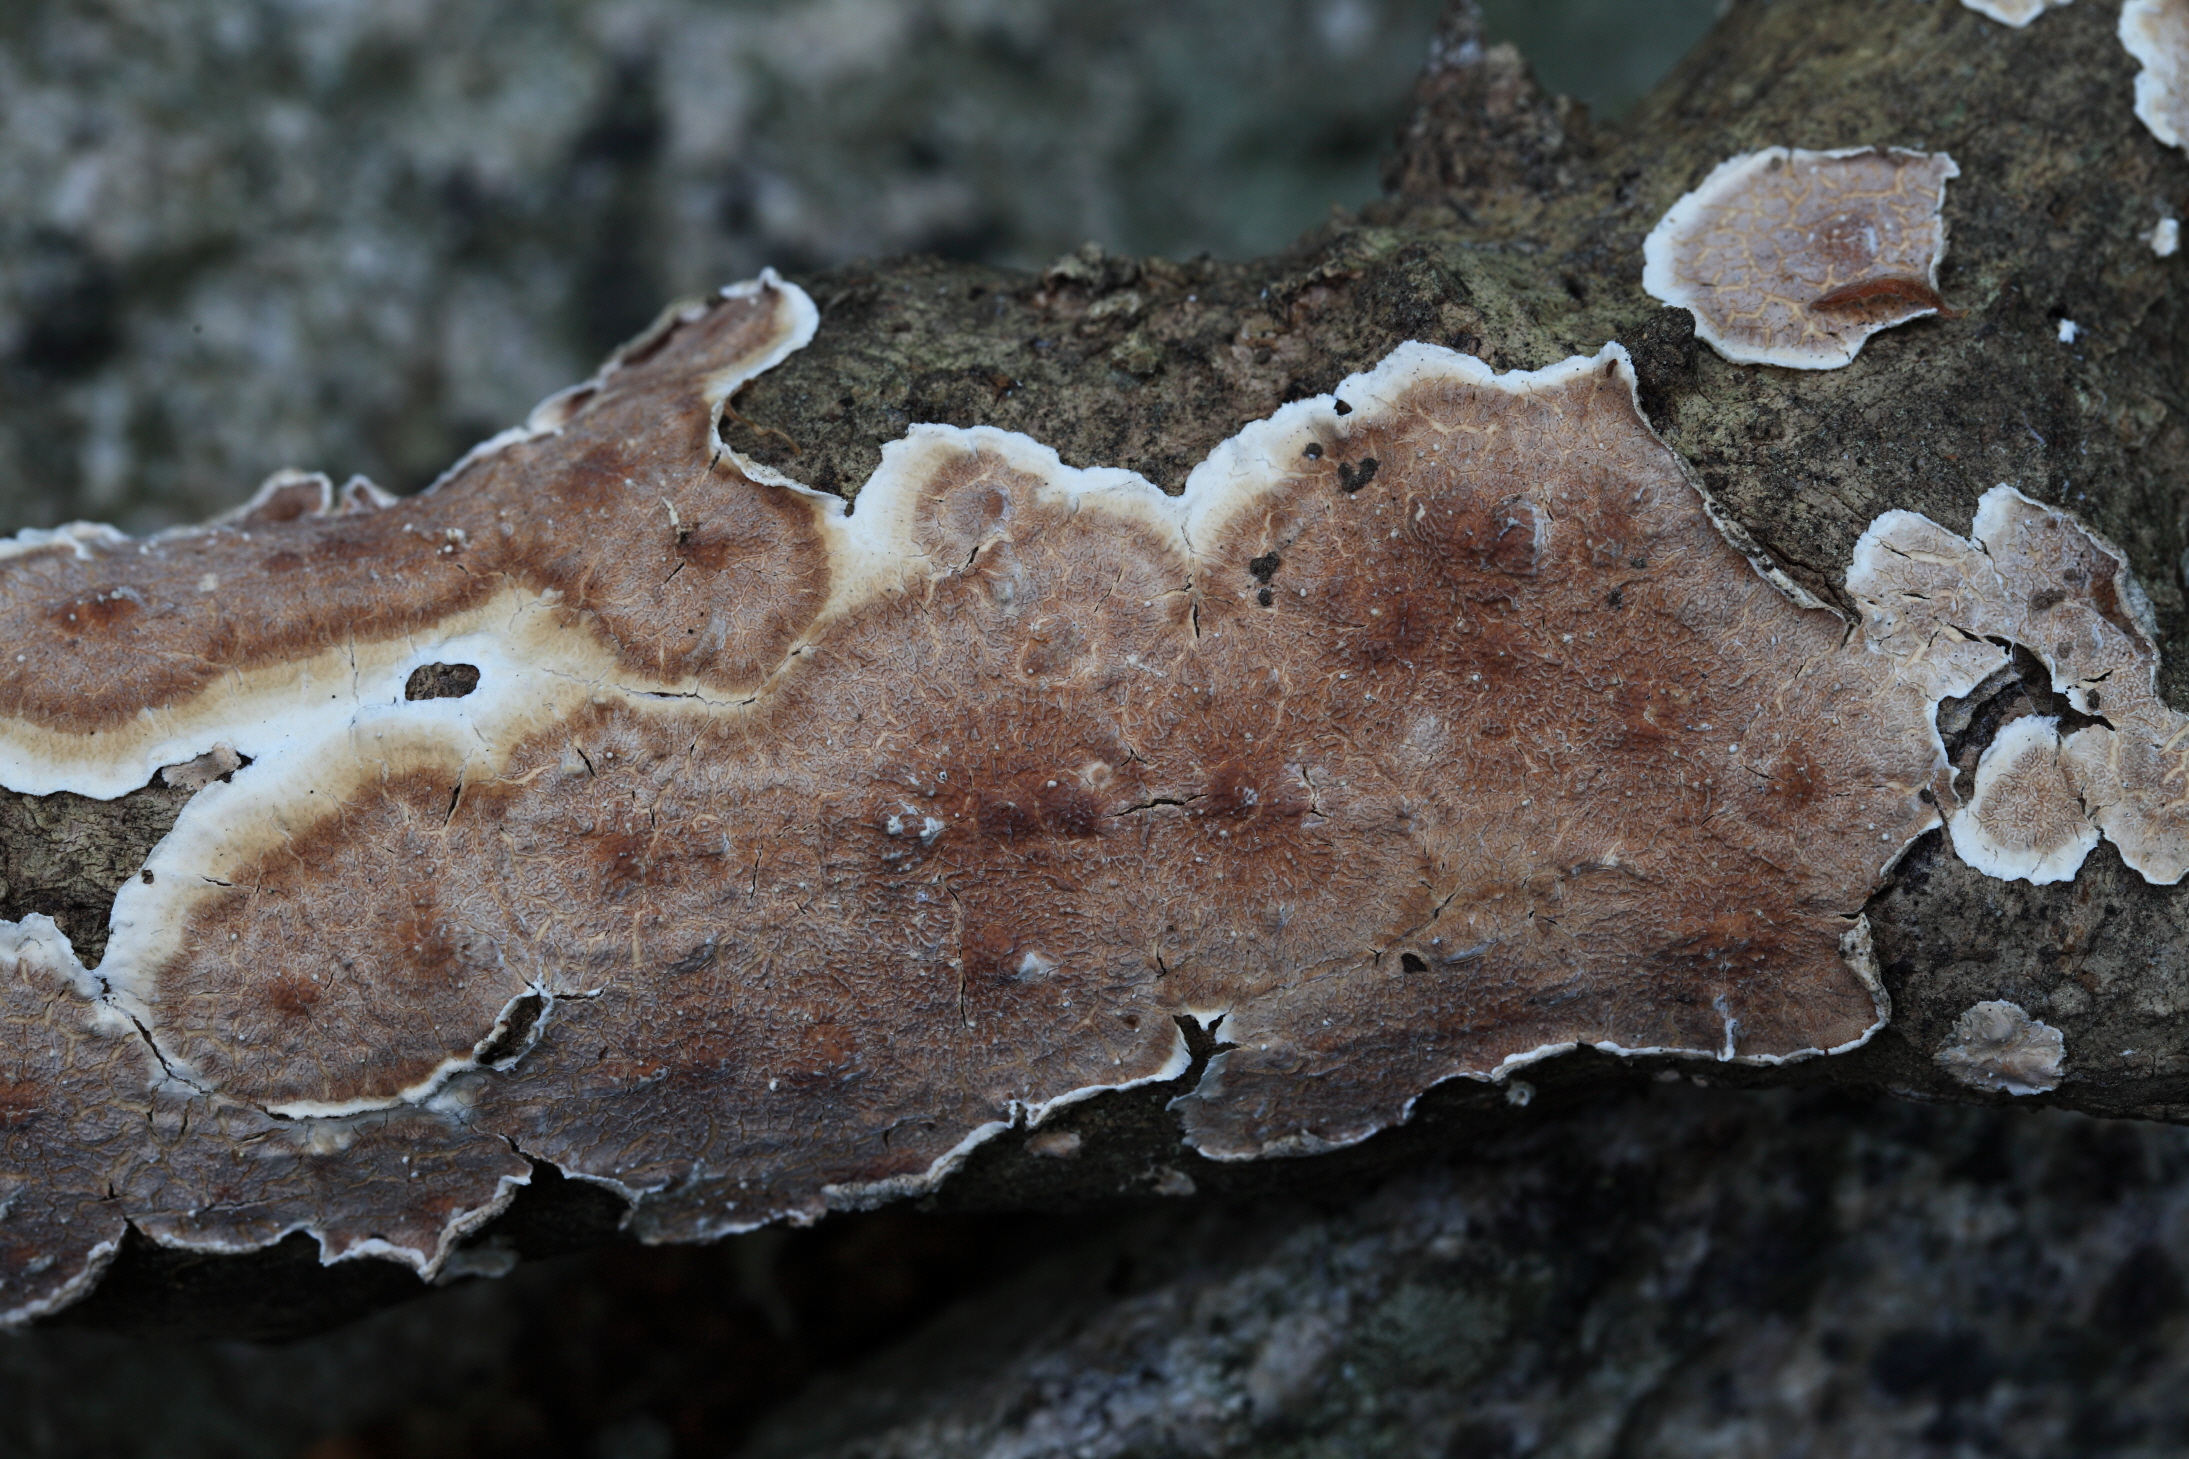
1513,231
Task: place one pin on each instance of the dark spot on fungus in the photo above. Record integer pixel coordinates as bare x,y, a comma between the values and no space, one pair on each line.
441,681
2045,598
1265,567
1266,597
1351,478
1412,963
1314,451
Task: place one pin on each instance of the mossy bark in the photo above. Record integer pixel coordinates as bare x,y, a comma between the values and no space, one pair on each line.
1513,230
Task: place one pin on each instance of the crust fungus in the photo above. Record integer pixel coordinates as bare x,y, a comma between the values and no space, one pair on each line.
1998,1047
2156,33
1789,257
627,805
2016,13
1941,605
2025,820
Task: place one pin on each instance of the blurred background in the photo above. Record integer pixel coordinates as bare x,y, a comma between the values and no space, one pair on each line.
359,235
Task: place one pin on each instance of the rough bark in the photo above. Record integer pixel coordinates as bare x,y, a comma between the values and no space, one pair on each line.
1695,1272
1513,231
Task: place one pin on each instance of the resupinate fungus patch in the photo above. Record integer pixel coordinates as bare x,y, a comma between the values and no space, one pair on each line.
1791,257
1944,606
1997,1047
620,804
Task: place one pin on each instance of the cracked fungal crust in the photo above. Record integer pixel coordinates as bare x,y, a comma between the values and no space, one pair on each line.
1944,605
1789,257
2156,33
626,805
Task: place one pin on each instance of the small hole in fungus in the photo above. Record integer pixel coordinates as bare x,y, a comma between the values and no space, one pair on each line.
146,876
509,1039
441,681
1314,451
1412,963
1341,407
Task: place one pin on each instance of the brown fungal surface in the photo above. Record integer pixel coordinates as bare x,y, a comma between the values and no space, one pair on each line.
1791,257
2156,33
625,805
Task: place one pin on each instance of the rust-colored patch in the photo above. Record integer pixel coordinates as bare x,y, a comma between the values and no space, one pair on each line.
1883,297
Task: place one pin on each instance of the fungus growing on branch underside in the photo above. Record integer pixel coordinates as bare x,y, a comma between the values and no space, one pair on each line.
758,855
1790,257
2156,33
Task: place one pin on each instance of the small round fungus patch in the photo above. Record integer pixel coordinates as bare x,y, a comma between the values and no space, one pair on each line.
2156,33
1997,1046
2025,821
1789,257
